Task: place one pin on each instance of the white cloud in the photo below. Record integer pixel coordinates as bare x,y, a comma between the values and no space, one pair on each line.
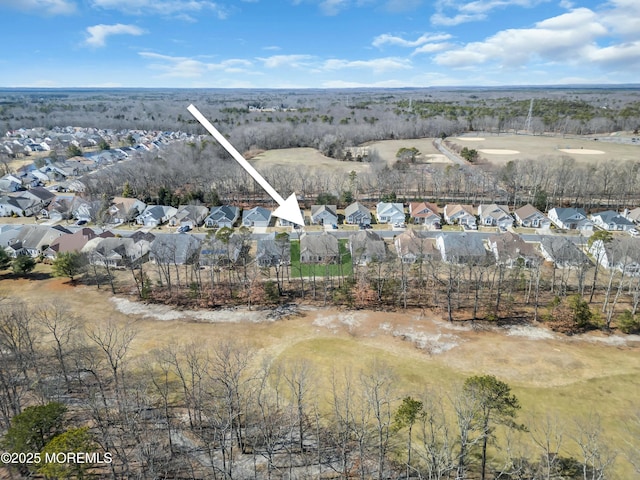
441,19
464,12
181,8
377,65
48,7
98,33
279,61
565,38
333,7
388,39
624,55
431,48
186,67
623,18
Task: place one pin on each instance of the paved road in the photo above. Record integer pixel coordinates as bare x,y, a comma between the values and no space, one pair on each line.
454,157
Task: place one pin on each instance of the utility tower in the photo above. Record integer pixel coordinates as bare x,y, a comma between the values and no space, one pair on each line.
527,123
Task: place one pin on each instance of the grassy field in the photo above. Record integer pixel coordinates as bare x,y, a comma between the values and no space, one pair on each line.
387,150
572,377
315,270
495,149
535,147
312,160
309,160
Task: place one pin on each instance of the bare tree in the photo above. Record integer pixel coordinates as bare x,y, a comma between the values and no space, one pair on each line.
597,458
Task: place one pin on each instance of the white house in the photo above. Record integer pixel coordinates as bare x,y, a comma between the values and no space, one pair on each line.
530,217
611,221
390,212
571,219
621,253
459,214
495,215
256,217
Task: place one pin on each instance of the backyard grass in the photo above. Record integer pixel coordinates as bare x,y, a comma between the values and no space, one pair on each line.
344,268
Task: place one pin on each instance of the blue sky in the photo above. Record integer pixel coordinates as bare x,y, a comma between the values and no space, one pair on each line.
317,43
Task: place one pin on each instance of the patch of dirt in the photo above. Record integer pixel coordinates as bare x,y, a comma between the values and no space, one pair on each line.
166,313
582,151
498,151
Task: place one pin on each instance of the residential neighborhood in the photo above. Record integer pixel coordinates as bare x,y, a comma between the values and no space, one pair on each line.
69,223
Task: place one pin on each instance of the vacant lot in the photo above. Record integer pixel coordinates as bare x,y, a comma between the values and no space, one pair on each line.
499,149
308,158
312,160
573,377
387,150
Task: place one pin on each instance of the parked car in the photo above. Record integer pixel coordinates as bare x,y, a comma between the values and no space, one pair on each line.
634,232
184,229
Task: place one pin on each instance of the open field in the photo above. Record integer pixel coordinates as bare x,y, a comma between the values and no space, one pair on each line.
573,377
496,149
312,160
387,150
499,149
308,158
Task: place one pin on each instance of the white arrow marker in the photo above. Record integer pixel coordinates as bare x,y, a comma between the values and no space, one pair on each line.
289,208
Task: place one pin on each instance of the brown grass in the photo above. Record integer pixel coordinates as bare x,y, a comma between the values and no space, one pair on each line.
571,376
534,147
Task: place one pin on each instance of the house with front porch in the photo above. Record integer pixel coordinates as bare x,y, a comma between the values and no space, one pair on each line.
530,217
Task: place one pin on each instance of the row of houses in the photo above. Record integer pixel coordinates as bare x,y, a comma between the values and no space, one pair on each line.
365,246
26,141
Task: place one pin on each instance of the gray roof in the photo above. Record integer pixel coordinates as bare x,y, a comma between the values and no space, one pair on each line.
158,211
319,245
177,249
412,242
257,214
566,213
268,249
331,209
510,246
356,207
463,245
197,213
224,213
563,251
367,243
623,250
37,236
609,216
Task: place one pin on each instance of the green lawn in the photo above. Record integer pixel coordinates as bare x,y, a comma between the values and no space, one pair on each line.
311,269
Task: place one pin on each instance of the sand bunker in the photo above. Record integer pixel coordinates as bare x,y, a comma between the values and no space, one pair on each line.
499,151
470,139
583,151
436,158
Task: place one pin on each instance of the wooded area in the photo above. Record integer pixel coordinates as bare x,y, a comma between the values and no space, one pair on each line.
218,410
